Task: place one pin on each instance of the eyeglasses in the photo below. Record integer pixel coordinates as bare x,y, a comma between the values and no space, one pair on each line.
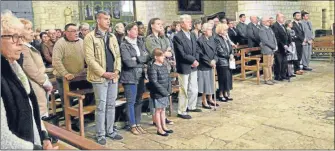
15,37
73,31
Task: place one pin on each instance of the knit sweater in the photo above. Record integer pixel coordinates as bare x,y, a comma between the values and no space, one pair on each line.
68,57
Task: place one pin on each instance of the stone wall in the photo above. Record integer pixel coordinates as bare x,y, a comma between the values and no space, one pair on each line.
168,11
50,14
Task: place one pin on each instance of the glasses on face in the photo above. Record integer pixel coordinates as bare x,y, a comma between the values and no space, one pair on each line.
73,31
15,37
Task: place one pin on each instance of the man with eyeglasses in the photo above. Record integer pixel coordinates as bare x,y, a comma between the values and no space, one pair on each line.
68,58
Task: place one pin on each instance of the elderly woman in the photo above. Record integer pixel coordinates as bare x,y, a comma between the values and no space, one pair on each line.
157,39
134,57
34,68
224,52
119,32
21,126
207,61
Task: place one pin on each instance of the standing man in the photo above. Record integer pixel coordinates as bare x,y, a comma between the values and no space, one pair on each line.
299,32
253,32
47,48
307,44
283,40
232,32
242,30
103,68
185,45
268,46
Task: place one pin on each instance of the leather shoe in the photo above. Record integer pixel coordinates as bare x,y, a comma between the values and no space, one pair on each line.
212,103
307,69
184,116
195,110
206,107
165,134
168,131
292,75
223,99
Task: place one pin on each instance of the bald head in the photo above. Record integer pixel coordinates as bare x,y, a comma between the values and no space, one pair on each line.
280,18
253,19
266,21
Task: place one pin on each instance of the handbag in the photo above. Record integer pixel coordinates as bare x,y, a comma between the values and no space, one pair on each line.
232,64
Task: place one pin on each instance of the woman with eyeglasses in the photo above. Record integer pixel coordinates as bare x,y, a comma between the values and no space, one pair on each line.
21,126
34,68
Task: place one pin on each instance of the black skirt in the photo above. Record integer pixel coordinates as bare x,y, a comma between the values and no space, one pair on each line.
225,78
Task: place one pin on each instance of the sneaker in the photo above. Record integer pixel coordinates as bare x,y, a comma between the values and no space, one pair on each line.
101,140
141,130
115,136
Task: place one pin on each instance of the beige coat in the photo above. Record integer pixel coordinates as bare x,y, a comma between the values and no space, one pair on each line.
35,70
95,56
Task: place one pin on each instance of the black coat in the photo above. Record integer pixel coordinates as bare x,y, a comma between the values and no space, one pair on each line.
233,35
186,52
298,32
282,36
223,52
253,35
17,106
132,70
207,52
159,81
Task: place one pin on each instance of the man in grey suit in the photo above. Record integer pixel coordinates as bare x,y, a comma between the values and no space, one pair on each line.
242,30
253,32
307,44
268,44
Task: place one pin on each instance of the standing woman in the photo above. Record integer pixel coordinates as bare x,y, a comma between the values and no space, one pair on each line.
224,52
34,68
207,61
119,32
292,51
134,57
157,39
197,28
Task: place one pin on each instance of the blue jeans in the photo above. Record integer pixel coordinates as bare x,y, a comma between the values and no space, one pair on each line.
133,94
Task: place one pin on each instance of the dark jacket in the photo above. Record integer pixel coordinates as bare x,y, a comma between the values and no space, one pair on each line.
242,33
186,52
282,37
233,35
18,110
159,81
253,35
268,41
132,70
300,35
207,52
223,52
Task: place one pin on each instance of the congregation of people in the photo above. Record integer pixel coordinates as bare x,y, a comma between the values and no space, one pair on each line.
138,59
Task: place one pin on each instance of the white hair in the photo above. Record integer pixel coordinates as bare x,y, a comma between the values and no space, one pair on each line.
86,25
206,26
184,17
10,23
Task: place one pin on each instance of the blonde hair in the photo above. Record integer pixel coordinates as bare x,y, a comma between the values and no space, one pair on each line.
25,23
10,24
221,27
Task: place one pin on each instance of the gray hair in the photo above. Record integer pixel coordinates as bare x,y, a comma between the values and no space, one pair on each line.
84,25
206,26
184,17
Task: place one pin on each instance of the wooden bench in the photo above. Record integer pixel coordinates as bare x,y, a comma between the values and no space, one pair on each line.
72,139
251,68
322,46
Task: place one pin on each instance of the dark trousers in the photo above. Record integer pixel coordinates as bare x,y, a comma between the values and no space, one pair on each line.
296,63
280,67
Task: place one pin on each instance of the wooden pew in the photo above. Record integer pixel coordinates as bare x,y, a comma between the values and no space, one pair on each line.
72,139
324,45
253,68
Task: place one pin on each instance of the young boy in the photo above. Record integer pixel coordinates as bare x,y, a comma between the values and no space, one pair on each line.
160,88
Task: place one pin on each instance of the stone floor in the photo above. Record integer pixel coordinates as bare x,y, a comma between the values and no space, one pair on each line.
289,115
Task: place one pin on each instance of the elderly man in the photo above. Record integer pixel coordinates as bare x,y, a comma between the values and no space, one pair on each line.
268,44
47,47
103,68
283,41
187,62
253,32
242,30
307,43
84,29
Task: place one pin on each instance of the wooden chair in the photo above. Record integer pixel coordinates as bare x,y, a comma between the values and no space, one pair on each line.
324,47
79,110
253,68
72,139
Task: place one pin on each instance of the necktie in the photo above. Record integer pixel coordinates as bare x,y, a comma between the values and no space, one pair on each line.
234,31
300,26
